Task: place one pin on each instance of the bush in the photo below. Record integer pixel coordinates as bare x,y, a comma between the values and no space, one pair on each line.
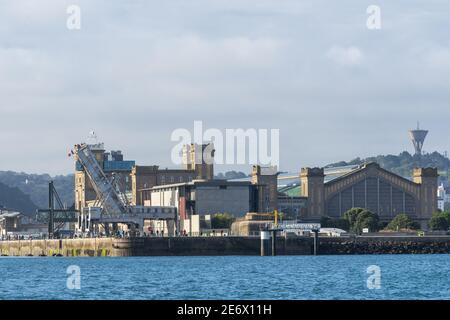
340,223
402,221
382,225
222,221
440,221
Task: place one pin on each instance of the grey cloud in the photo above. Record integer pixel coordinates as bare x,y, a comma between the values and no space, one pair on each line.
139,69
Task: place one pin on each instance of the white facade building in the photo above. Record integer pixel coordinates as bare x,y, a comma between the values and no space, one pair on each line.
443,198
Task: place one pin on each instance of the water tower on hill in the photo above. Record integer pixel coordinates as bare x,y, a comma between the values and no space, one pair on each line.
418,138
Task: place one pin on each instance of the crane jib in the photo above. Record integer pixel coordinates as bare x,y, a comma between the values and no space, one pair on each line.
113,205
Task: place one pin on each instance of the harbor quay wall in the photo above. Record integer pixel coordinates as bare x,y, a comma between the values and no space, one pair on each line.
217,246
95,247
155,246
210,246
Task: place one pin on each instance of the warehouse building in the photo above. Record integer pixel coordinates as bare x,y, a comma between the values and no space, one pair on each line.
203,197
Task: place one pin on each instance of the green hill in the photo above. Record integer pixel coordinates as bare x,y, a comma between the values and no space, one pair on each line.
13,198
36,186
404,163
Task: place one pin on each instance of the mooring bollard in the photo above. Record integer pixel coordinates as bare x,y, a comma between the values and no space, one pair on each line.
274,242
316,242
265,243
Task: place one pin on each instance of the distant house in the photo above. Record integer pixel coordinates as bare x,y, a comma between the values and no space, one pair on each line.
9,221
443,197
15,223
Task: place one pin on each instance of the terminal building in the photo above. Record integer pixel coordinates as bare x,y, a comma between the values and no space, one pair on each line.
316,192
371,187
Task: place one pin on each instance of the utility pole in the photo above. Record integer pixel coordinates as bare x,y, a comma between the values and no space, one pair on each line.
51,209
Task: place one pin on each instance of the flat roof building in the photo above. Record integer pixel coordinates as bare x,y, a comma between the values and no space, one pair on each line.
205,197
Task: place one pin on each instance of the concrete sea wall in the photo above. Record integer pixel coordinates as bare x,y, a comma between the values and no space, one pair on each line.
163,246
64,247
209,246
189,246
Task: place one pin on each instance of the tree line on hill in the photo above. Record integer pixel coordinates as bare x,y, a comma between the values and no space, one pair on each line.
404,163
229,175
33,187
14,199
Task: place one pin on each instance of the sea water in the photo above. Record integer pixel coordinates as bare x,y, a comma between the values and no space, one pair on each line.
227,277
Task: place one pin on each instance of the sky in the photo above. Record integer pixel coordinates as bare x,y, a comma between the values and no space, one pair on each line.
137,70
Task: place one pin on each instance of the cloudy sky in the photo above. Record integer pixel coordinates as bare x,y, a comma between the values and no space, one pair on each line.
139,69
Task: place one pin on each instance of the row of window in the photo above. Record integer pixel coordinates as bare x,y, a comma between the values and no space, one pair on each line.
164,179
153,210
172,179
378,196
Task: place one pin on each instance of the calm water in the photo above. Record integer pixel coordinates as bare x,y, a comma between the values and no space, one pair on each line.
296,277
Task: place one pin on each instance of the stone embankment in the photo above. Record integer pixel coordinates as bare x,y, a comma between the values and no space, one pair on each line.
385,245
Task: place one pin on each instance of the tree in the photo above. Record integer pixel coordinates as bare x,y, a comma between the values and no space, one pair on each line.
360,218
402,221
222,221
439,221
352,214
366,219
446,214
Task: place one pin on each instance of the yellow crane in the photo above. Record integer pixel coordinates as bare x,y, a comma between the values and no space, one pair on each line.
275,213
